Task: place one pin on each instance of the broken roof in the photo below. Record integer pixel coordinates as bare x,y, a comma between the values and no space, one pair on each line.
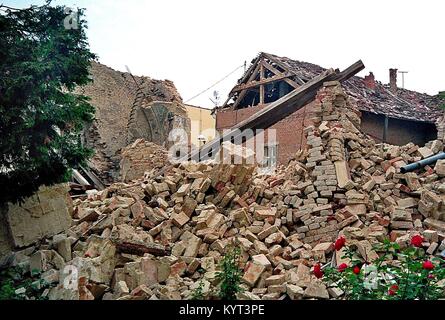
407,104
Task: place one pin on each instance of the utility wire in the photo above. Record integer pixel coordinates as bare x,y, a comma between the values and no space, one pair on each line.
225,77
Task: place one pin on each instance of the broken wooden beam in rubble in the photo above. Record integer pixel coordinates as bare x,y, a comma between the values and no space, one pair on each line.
276,110
141,248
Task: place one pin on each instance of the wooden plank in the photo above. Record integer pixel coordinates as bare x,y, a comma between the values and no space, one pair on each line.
80,178
141,248
262,94
96,181
350,71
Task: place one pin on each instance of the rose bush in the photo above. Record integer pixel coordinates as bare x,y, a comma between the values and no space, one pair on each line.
417,241
398,274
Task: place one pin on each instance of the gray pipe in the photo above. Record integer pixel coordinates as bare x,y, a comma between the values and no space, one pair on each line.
422,163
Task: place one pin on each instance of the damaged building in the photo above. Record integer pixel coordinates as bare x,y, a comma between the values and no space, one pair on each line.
128,108
164,235
388,113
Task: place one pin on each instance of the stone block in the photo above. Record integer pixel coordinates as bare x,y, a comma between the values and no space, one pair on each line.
44,214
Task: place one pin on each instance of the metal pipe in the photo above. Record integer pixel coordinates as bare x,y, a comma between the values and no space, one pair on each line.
422,163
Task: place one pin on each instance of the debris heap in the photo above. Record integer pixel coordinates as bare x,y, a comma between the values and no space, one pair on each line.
139,157
163,236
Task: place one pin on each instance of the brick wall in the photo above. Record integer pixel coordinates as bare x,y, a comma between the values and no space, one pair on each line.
289,131
290,137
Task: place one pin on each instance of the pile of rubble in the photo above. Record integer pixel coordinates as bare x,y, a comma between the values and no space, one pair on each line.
163,236
139,157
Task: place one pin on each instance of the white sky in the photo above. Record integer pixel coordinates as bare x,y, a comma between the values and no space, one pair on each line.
196,43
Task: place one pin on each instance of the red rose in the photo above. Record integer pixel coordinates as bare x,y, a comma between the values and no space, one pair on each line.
417,241
342,267
356,270
339,243
317,271
428,265
393,290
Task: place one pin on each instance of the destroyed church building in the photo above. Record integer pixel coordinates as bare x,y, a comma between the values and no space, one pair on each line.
128,108
388,113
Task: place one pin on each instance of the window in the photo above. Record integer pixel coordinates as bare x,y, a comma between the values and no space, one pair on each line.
270,156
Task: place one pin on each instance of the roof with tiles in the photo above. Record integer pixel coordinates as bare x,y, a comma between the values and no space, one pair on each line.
376,98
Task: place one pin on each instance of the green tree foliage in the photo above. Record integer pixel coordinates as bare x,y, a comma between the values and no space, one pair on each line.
41,63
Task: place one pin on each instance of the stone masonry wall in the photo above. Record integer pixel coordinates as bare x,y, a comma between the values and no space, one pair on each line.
44,214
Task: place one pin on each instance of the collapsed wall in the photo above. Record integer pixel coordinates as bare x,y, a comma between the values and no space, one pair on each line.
164,236
45,214
139,157
122,101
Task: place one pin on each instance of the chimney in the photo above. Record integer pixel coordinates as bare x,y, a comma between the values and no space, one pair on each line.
370,81
393,80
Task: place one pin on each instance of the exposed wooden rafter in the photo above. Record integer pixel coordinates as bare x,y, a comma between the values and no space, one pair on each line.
258,70
278,73
259,83
243,92
249,81
262,85
252,68
246,75
284,67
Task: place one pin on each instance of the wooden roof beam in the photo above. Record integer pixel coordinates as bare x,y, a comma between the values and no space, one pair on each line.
243,92
277,72
251,72
253,84
284,67
262,86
